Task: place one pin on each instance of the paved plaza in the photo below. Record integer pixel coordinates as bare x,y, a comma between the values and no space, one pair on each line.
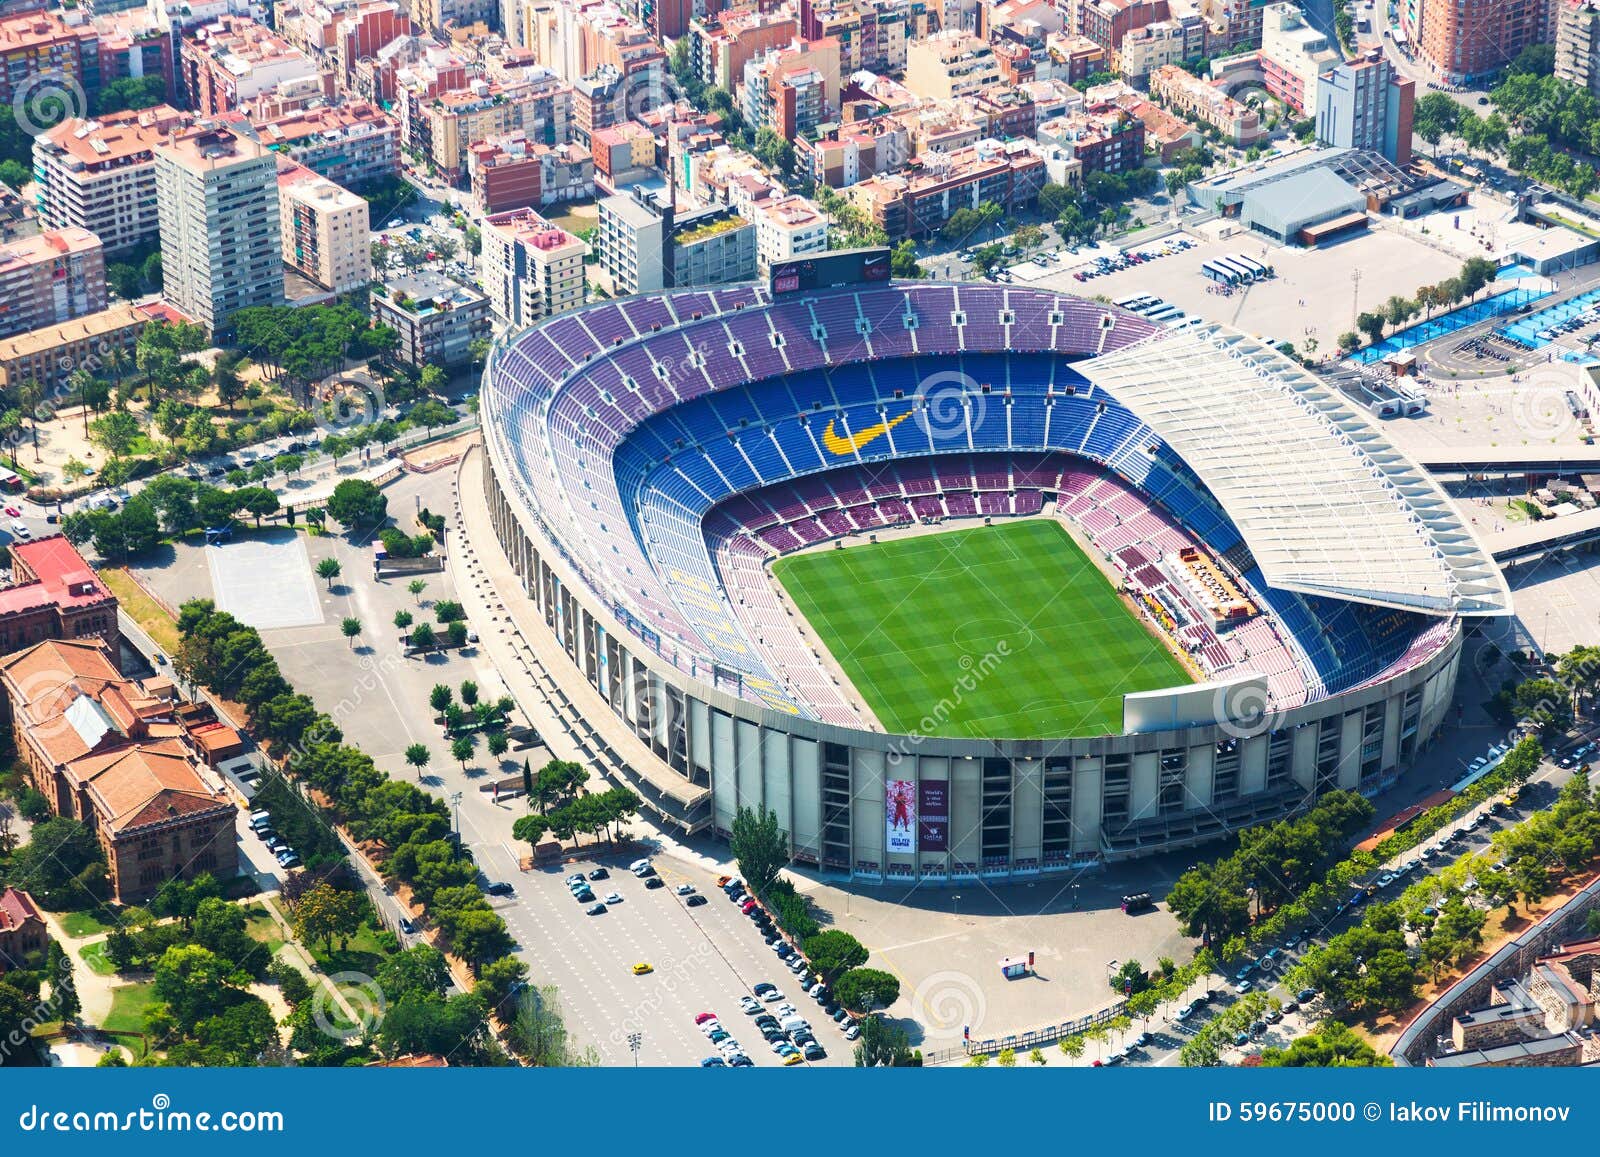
265,582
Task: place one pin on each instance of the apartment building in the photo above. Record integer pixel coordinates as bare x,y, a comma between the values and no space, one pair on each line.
1366,104
354,143
623,153
100,174
39,41
53,277
720,48
234,60
853,152
1108,22
1162,42
438,320
1190,96
786,227
1293,56
327,235
644,244
1103,138
792,90
950,63
49,355
873,34
454,121
511,172
1461,41
531,268
221,230
920,200
1578,43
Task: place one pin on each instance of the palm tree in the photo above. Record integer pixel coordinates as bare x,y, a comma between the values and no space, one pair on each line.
416,587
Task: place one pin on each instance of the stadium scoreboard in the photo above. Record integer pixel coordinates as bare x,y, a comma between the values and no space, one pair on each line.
826,270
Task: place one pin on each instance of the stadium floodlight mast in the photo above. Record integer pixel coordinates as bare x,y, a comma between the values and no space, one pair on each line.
635,1039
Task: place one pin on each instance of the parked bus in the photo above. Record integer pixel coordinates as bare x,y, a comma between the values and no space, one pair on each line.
1136,302
1244,272
1219,272
1259,270
1165,313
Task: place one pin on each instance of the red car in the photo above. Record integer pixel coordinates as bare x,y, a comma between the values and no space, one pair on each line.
705,1016
14,511
746,906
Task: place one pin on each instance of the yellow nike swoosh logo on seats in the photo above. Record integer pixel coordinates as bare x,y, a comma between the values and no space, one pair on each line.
855,442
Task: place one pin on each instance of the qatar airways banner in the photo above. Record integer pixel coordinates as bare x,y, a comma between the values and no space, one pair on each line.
933,808
900,814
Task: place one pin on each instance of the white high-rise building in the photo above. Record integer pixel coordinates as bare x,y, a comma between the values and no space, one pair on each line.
327,233
217,197
531,268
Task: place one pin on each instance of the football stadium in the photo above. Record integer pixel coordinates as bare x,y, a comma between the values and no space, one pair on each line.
966,580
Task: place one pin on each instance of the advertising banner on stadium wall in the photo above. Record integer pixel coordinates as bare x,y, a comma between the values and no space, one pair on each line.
900,813
933,812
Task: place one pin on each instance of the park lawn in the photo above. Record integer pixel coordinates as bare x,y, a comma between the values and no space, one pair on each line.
94,955
144,610
128,1005
363,954
263,929
80,924
1002,632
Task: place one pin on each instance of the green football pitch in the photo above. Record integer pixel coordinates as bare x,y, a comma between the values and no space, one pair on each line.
999,632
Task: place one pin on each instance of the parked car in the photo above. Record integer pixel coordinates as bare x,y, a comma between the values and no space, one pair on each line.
500,888
693,901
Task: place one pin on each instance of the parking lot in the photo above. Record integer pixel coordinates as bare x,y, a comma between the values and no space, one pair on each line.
1316,292
703,959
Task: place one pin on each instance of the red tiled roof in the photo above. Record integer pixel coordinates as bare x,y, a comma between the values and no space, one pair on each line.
16,909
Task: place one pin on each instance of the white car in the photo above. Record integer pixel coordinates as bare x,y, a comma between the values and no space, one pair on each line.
773,996
685,889
852,1032
711,1026
750,1005
729,1046
785,1011
613,898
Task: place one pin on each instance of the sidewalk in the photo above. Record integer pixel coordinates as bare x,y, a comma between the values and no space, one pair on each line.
522,652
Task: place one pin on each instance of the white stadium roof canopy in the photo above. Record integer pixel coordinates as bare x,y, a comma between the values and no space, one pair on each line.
1326,505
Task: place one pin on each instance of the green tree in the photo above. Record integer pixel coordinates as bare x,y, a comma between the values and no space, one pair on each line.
350,627
417,756
833,952
357,504
461,750
866,989
760,846
416,587
115,432
498,744
882,1044
328,569
1332,1045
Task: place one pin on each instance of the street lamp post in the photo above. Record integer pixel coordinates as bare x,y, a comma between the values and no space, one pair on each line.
955,898
1075,897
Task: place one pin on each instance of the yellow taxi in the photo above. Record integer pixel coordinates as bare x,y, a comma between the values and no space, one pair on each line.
641,968
793,1059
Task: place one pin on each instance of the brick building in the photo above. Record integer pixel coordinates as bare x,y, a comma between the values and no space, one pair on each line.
109,752
54,595
22,929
